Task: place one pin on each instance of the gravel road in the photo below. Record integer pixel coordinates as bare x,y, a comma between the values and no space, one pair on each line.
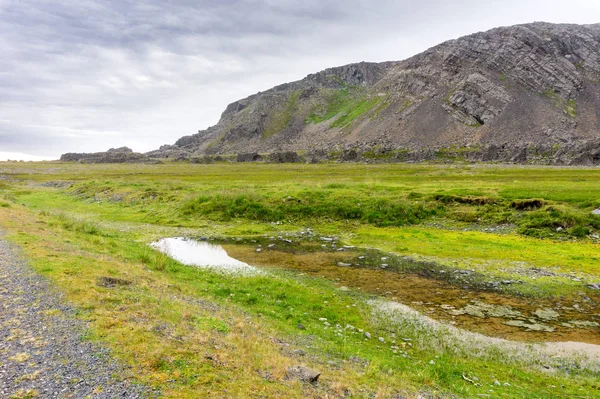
42,354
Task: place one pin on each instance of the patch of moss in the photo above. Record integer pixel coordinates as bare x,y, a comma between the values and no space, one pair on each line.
281,120
455,153
336,101
355,110
569,106
405,105
383,105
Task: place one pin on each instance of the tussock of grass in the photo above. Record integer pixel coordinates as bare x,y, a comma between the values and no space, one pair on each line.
310,205
527,204
557,217
470,200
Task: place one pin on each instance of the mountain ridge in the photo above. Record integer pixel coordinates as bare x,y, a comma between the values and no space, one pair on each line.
507,94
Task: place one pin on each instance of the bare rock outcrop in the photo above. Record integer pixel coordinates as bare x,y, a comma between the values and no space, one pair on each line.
529,85
113,155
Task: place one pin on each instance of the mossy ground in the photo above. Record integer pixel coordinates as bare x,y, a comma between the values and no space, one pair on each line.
197,333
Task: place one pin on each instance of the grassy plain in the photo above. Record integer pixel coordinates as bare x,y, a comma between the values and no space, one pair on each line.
196,333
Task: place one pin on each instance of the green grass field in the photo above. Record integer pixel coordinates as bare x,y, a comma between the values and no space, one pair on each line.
196,333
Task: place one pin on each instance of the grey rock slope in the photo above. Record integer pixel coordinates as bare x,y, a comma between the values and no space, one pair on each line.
510,93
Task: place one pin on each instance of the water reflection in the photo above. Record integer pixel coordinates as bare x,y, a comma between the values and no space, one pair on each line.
201,254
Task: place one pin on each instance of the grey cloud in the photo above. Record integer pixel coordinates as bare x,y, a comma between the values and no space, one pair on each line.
90,74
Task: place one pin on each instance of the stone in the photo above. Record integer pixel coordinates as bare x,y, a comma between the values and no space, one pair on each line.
303,374
249,157
530,326
483,310
284,157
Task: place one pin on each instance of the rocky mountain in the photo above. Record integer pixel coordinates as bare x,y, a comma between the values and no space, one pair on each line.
511,93
525,93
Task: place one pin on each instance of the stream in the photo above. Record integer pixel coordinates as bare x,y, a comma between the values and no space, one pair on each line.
452,296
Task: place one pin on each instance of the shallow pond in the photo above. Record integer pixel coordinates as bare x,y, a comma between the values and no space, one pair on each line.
434,294
201,254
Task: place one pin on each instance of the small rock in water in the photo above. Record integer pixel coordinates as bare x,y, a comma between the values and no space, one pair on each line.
584,323
546,314
530,327
303,374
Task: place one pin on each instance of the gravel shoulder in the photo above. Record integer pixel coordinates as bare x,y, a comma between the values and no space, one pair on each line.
42,353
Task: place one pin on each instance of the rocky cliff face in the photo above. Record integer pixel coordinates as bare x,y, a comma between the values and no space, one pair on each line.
519,87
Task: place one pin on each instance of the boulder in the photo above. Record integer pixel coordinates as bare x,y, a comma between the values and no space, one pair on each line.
303,374
249,157
284,157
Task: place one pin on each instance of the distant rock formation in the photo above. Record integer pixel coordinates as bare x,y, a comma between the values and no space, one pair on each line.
113,155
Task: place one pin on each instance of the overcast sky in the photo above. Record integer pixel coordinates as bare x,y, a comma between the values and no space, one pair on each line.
87,75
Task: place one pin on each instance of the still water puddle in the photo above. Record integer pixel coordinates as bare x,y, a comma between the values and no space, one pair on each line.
487,312
202,254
